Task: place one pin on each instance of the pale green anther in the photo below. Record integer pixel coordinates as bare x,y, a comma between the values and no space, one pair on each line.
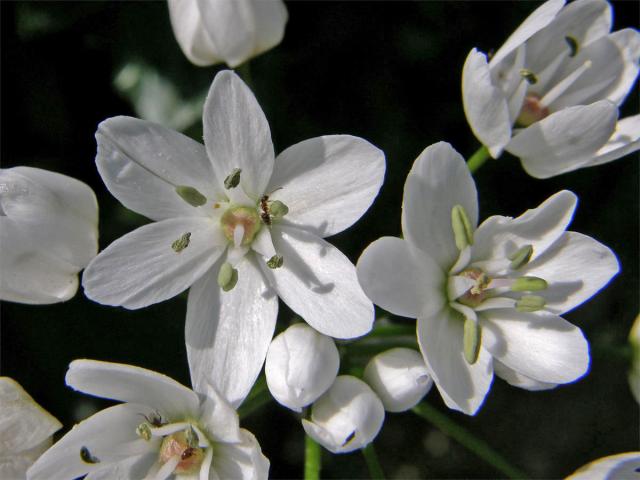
471,340
573,45
227,277
190,195
530,303
144,431
521,257
181,243
233,179
277,209
529,76
461,225
275,262
529,284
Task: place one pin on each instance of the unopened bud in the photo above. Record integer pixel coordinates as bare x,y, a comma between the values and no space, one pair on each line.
227,277
462,231
190,195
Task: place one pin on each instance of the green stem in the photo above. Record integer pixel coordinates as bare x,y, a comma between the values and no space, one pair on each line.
244,71
478,158
258,397
375,470
312,459
467,439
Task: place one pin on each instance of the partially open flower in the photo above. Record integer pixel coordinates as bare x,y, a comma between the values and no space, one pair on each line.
624,466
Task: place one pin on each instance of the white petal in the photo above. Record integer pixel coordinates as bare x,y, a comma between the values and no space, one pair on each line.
301,365
624,466
399,377
130,468
192,37
240,460
271,17
399,278
228,333
565,140
218,417
320,284
628,40
131,384
23,423
15,465
327,182
541,346
142,163
263,243
438,181
485,104
463,387
237,135
519,380
347,417
143,268
625,140
499,237
576,267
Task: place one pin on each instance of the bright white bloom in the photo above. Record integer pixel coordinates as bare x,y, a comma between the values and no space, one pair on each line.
550,94
48,233
624,466
486,299
347,417
240,225
25,430
301,365
162,430
229,31
400,378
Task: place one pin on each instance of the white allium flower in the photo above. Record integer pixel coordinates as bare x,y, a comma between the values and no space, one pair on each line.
400,378
550,94
240,225
25,430
301,365
486,299
624,466
48,233
162,430
229,31
347,417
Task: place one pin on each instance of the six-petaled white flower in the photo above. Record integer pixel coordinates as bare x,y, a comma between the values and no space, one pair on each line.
550,94
162,430
48,233
486,299
229,31
240,225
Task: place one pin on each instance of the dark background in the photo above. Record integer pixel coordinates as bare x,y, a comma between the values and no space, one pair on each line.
386,71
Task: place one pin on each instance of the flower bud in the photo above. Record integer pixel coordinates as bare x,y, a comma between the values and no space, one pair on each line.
399,376
347,417
301,365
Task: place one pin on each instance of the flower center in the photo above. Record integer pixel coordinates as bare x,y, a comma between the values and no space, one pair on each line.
183,445
240,225
478,292
532,110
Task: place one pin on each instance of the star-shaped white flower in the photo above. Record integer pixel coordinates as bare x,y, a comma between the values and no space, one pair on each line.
48,233
240,225
550,94
486,299
227,31
162,430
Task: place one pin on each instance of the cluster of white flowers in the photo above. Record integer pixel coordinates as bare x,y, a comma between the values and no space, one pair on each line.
241,227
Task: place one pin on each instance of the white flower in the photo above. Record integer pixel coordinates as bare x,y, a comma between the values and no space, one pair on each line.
240,225
624,466
559,78
488,299
25,430
301,365
162,430
347,417
400,378
48,233
229,31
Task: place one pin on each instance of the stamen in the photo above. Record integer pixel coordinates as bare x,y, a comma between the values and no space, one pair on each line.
181,243
573,45
144,431
530,303
462,231
277,209
529,76
521,257
529,284
86,456
563,85
227,277
233,179
471,340
275,262
190,195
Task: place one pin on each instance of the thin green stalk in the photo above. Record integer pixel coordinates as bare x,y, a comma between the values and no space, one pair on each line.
244,71
312,459
465,438
370,456
478,158
258,397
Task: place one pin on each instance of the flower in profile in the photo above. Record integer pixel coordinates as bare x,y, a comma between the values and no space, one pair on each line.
623,466
227,31
25,430
161,429
347,417
239,226
48,233
486,299
550,94
634,372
